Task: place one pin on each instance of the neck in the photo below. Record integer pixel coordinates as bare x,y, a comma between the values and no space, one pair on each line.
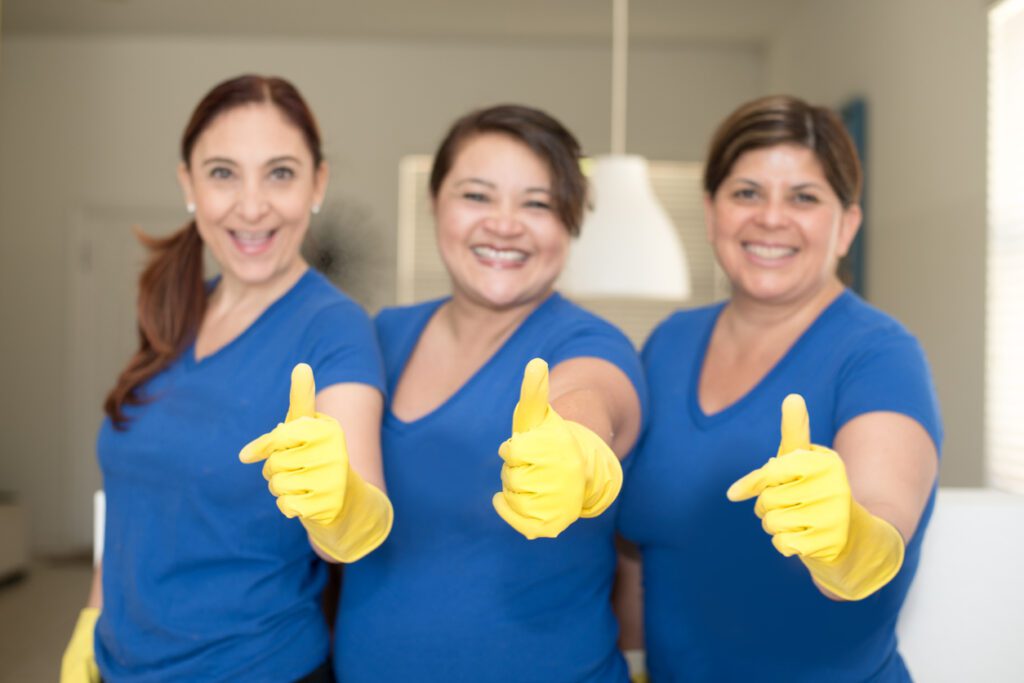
234,295
747,318
474,324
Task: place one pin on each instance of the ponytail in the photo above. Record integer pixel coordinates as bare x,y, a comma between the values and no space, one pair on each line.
172,300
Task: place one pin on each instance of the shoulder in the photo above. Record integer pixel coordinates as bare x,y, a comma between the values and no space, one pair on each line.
393,320
681,326
863,322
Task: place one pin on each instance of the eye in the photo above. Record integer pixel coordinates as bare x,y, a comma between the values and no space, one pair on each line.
282,173
806,198
221,172
745,193
537,204
475,196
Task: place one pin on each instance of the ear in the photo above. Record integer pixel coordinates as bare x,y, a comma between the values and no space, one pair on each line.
320,179
709,207
185,181
849,225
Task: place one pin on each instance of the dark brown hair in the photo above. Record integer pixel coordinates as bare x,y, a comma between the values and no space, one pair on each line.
779,120
172,294
539,131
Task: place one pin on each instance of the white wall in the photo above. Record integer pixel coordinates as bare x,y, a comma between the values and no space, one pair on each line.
91,122
922,67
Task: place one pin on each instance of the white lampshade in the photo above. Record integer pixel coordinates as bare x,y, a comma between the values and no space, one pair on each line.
628,246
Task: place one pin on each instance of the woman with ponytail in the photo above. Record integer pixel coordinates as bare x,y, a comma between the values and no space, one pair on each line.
203,578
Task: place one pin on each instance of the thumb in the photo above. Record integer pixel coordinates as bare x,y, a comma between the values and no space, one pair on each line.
533,397
796,425
302,399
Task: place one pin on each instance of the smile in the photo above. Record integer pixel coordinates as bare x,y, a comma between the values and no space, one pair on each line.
500,257
249,242
769,252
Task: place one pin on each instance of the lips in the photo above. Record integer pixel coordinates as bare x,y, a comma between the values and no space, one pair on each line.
252,242
769,252
501,258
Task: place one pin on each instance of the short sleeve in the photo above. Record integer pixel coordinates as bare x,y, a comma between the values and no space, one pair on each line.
342,347
889,373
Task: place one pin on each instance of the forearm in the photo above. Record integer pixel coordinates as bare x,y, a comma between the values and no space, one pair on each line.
96,589
627,597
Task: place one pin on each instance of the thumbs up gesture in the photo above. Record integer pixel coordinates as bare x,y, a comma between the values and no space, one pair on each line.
805,502
555,470
306,465
305,460
803,497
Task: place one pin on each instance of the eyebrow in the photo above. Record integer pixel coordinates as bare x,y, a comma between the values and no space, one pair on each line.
232,162
798,186
481,181
493,186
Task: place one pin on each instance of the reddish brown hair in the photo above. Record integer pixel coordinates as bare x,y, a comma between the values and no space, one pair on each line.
539,131
779,120
172,294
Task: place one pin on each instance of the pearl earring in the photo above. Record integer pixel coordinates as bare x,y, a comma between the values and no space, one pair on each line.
316,209
190,207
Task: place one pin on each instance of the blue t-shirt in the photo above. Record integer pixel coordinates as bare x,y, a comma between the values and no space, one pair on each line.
720,603
203,578
455,593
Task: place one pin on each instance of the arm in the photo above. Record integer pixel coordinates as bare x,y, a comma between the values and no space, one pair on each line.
845,517
78,665
358,409
891,464
598,395
307,467
560,468
96,590
628,597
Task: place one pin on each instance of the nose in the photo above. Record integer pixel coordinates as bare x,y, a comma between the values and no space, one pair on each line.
252,203
504,221
773,213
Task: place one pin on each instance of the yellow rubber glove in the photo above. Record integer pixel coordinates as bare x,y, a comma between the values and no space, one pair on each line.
805,503
307,468
555,470
78,665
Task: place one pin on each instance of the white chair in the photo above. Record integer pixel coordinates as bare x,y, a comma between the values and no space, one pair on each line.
963,620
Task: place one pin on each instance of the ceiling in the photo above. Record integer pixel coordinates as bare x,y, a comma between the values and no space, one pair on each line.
743,21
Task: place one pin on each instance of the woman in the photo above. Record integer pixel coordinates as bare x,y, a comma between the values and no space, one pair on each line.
819,601
203,579
489,573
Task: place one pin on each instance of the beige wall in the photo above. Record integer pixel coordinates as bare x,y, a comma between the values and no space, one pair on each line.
922,67
91,122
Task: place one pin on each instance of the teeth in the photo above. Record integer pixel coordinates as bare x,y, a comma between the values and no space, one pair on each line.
765,251
252,237
508,255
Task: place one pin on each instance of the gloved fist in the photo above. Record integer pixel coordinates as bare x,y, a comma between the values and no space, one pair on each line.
803,496
805,502
555,470
305,457
78,665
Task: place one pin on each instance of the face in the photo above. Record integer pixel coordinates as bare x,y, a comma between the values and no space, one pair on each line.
777,226
253,184
497,229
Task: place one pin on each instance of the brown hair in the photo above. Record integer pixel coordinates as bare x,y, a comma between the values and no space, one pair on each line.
172,294
779,120
539,131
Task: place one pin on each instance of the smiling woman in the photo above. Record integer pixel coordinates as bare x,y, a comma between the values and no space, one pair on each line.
504,477
203,577
841,519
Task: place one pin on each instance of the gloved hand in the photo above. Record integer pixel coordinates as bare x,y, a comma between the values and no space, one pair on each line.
555,470
78,665
805,503
307,468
